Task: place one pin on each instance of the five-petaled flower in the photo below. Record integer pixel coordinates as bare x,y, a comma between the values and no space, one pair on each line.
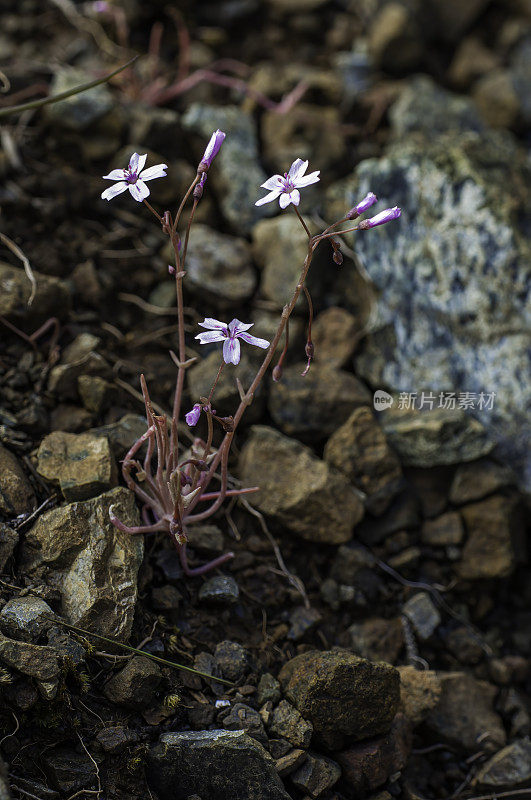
133,178
286,187
229,334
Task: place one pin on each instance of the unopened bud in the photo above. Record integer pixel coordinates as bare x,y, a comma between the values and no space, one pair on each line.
171,269
368,201
277,373
227,423
212,149
198,190
338,257
309,349
380,219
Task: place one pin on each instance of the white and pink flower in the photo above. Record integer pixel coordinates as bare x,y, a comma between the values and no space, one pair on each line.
286,187
229,334
133,178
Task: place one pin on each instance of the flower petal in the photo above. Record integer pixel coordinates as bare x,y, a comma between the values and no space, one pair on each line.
141,162
211,336
275,182
269,197
254,340
115,175
212,324
133,162
157,171
115,189
139,190
284,200
231,351
297,169
293,197
240,327
313,177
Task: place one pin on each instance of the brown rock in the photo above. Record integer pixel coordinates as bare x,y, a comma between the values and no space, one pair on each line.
444,530
367,766
377,639
82,464
316,775
359,449
8,542
395,42
420,691
475,481
496,99
320,506
334,336
52,297
464,715
322,139
289,724
290,762
471,60
495,538
318,403
135,686
16,494
341,694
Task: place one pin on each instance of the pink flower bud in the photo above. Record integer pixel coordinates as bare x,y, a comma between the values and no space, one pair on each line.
192,418
368,201
212,149
380,219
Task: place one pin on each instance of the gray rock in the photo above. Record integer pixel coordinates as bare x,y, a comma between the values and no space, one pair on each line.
290,761
464,715
280,246
433,438
220,590
81,464
377,639
226,398
218,268
495,543
92,563
521,75
69,771
206,538
320,506
8,542
136,685
315,405
24,618
289,724
79,112
232,659
122,434
268,690
452,276
359,449
316,775
302,621
242,717
424,106
423,614
475,481
508,769
116,739
218,765
16,494
236,174
52,296
341,694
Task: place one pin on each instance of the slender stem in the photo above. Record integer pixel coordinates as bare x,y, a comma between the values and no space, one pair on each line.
4,112
183,201
187,235
220,370
325,235
152,210
302,222
310,312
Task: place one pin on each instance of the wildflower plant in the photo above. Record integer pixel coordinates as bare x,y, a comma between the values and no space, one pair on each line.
178,488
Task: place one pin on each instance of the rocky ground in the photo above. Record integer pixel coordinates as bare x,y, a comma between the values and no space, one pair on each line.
372,636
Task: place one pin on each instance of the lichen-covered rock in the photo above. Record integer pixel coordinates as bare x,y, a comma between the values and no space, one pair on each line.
136,685
8,542
25,618
16,494
320,506
452,275
93,564
475,481
316,404
435,437
52,297
237,174
316,775
495,542
288,723
232,659
342,695
79,358
359,449
218,765
218,268
41,663
464,715
424,106
82,464
420,691
242,717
